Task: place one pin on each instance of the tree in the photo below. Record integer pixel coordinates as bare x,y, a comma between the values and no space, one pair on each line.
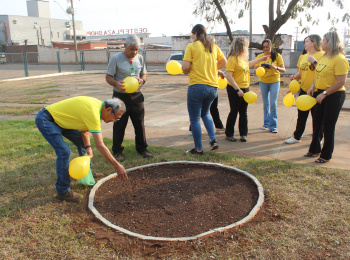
212,10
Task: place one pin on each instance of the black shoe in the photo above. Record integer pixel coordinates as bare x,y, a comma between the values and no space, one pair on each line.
231,139
194,151
119,157
70,196
146,154
213,144
243,138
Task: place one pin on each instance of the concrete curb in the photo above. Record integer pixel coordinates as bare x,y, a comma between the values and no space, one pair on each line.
209,233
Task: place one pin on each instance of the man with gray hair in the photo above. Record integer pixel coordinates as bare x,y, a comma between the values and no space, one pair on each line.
75,118
122,65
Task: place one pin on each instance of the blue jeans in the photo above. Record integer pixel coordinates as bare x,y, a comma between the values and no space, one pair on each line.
53,133
270,103
199,99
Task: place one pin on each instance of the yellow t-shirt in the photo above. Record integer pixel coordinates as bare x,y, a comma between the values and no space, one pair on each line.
78,113
204,68
307,70
327,70
240,69
271,75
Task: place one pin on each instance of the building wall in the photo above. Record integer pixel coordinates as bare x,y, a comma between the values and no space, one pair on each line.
81,45
35,30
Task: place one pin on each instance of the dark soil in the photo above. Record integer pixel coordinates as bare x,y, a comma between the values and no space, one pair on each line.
176,200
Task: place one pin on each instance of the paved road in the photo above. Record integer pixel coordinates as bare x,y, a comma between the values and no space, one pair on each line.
167,119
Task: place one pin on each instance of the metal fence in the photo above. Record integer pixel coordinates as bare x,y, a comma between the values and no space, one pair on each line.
15,65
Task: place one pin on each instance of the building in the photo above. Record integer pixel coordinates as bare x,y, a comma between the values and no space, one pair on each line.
37,28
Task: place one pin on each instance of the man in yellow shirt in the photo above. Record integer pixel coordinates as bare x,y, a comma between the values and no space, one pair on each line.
75,118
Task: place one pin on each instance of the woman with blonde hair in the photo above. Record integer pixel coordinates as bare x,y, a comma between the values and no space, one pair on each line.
328,86
238,76
306,74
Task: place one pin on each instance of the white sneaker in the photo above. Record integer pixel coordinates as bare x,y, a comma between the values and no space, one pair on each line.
190,133
264,128
275,131
292,140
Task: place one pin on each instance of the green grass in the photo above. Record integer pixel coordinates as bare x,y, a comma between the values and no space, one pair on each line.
305,213
18,110
25,93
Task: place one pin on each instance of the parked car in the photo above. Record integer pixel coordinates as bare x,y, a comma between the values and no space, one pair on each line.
2,58
176,56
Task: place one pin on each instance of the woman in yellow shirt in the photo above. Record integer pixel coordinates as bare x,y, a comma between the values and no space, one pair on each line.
328,85
238,76
270,84
306,74
202,60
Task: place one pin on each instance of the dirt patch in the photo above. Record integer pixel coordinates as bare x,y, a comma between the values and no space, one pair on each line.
177,200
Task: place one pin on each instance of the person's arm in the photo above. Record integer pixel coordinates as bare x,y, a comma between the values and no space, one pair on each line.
311,90
256,61
186,66
280,68
232,82
85,135
118,84
341,79
101,147
297,76
221,74
142,80
221,63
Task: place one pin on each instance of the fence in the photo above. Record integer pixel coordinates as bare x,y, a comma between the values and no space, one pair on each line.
15,65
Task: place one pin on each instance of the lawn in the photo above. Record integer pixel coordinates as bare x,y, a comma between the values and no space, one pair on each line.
305,214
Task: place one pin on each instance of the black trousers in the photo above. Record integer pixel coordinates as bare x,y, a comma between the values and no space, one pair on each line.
326,114
134,103
237,105
214,112
302,118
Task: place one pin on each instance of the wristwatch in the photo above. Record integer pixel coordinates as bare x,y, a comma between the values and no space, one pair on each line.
324,93
315,62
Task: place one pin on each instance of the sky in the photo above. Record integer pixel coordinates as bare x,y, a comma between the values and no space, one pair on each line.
166,17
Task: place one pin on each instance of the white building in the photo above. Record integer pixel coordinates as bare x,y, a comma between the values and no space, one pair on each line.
37,28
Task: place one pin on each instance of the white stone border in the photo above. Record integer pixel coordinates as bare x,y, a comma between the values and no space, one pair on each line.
251,214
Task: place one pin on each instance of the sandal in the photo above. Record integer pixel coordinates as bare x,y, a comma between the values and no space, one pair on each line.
308,154
320,160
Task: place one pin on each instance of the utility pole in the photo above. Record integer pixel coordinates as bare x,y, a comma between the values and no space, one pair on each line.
74,32
250,27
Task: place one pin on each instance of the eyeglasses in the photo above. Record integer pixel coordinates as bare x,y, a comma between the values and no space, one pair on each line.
115,117
266,46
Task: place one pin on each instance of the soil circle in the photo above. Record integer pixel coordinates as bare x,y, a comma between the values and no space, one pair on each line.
177,200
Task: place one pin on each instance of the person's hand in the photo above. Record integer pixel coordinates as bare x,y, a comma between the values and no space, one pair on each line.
121,172
310,92
292,77
273,66
88,151
140,83
265,58
320,97
221,74
240,93
120,86
311,59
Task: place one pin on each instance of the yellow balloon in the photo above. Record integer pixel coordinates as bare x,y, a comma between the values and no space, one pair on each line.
260,71
294,86
174,67
131,84
289,99
222,83
79,167
305,102
250,97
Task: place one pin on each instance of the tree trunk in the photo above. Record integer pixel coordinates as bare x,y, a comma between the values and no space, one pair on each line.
223,16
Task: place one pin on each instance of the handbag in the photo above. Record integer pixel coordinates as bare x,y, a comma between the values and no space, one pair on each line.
88,180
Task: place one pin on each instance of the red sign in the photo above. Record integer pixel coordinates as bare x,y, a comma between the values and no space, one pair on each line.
115,32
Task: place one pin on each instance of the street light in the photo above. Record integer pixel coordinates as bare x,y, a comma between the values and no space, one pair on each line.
70,10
